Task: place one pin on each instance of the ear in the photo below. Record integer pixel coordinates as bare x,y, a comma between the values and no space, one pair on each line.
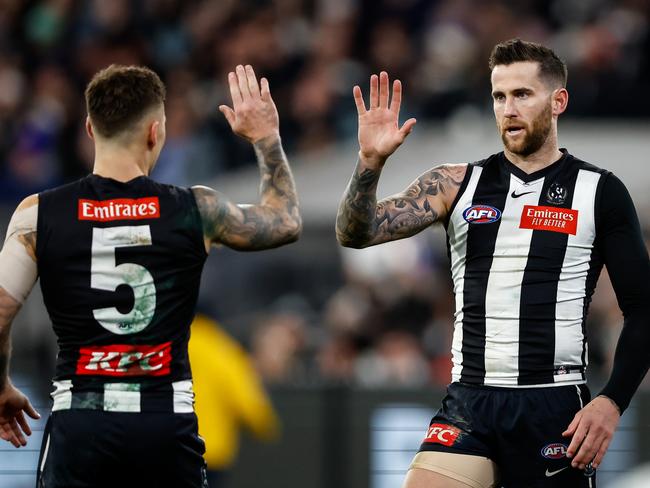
89,129
152,134
560,101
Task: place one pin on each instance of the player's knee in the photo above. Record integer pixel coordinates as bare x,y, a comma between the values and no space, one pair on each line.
449,470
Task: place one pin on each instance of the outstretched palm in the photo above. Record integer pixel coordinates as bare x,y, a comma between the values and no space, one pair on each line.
379,131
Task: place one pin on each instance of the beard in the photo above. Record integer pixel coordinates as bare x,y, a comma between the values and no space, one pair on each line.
534,136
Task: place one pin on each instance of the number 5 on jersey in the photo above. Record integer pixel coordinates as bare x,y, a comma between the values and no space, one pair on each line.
105,274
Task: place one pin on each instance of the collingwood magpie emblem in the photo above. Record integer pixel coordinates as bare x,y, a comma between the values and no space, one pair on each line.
556,194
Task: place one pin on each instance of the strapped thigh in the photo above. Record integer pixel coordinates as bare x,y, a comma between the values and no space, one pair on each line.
475,471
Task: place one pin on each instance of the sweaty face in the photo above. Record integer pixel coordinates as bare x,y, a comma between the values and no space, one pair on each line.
522,107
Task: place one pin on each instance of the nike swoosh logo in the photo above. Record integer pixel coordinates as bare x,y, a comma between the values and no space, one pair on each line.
553,473
515,195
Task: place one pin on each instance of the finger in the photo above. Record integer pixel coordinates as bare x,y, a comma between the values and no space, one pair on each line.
407,127
358,100
31,411
235,94
253,87
243,82
374,91
587,451
396,101
20,417
383,89
265,90
576,441
228,113
18,434
601,453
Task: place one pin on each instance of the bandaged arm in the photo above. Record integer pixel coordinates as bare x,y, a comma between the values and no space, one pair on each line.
18,273
18,270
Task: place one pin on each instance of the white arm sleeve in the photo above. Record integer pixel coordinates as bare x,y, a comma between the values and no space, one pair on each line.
18,270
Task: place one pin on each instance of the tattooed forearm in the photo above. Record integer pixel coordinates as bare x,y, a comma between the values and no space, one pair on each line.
275,221
355,221
362,221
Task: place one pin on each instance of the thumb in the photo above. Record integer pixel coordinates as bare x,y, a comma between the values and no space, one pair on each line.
407,127
228,113
31,411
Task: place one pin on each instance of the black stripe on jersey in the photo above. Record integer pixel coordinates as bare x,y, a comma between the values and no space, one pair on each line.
492,190
539,289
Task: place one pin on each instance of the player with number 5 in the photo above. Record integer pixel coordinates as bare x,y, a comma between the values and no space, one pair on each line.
120,257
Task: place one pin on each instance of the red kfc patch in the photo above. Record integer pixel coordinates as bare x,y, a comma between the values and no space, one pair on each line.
442,434
125,360
553,219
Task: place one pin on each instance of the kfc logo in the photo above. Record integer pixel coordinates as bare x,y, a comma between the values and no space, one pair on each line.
442,434
125,360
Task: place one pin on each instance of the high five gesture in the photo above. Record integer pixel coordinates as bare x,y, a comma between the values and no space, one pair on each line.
361,220
379,131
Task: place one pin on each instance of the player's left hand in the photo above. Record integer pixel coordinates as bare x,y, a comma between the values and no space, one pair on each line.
592,430
253,115
13,406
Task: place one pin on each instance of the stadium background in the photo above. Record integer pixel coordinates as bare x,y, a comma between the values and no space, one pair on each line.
353,345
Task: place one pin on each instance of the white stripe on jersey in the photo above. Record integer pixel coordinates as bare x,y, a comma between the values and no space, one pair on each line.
62,395
458,250
572,285
183,396
503,296
122,397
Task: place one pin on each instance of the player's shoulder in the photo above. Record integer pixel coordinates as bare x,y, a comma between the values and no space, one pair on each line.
28,202
585,166
482,163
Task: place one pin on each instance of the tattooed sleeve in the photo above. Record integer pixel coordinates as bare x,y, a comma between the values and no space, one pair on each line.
362,222
271,223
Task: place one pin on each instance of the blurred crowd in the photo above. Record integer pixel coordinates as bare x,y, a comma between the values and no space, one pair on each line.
312,51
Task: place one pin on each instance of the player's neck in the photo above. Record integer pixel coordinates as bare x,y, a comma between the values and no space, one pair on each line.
540,159
119,164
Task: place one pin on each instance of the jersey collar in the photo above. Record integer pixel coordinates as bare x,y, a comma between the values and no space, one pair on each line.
527,178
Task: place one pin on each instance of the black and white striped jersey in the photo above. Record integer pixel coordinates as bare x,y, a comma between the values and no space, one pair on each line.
525,262
120,265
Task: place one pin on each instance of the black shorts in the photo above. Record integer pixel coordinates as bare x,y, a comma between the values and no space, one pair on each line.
519,429
89,448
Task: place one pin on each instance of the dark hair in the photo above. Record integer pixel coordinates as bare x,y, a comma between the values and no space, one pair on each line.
118,96
551,68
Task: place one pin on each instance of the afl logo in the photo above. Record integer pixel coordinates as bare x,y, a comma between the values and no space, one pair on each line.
554,451
481,214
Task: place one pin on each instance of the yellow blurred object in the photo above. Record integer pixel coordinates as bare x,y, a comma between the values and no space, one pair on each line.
229,394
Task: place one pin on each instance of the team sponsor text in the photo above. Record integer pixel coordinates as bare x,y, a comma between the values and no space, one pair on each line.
554,219
125,360
119,209
442,434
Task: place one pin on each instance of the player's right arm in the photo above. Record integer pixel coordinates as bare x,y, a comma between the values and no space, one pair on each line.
18,274
275,220
361,220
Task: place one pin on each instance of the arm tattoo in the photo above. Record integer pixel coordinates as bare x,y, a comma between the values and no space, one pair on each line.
273,222
362,221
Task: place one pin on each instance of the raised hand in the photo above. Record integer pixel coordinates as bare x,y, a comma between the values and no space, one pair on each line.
253,115
13,406
379,131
